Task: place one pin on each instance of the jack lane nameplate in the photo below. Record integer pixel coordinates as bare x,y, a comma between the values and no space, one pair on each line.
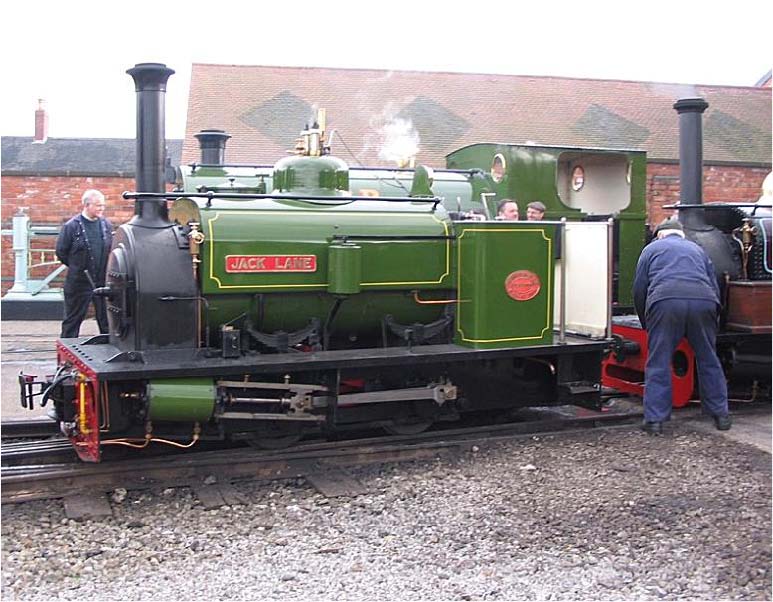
236,264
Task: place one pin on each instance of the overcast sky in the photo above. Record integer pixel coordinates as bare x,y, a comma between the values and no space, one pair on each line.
74,54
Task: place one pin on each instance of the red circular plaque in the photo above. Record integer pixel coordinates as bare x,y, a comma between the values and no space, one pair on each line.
523,285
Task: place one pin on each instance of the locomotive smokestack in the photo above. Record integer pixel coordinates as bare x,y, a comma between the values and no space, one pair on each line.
150,83
691,157
696,228
212,144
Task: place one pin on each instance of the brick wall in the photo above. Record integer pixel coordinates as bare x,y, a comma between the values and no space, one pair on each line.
720,184
50,201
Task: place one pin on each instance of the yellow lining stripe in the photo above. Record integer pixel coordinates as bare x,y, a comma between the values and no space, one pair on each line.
548,326
220,285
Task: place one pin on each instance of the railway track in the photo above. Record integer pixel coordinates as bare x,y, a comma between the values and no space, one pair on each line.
28,428
37,476
29,343
45,479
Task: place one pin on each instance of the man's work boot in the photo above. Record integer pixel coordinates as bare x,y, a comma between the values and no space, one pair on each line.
723,423
652,428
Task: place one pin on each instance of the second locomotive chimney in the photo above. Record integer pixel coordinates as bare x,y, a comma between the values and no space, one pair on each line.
691,155
150,83
212,144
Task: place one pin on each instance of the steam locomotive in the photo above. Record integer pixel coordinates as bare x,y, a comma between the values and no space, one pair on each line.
300,307
263,303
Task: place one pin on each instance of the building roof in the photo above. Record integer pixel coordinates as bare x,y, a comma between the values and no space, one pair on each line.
74,156
264,108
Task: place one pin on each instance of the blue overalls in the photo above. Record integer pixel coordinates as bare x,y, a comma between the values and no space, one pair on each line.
676,296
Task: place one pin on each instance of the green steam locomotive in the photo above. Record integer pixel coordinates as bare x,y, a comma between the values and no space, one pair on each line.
263,304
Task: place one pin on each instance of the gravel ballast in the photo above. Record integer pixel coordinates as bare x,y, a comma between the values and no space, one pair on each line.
595,515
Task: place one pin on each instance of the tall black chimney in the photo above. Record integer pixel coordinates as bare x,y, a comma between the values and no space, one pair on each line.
723,253
212,145
691,157
150,83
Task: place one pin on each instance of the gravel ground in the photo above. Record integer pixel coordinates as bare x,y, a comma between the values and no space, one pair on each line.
595,515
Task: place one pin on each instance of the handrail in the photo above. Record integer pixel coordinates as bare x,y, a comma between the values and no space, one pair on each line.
23,286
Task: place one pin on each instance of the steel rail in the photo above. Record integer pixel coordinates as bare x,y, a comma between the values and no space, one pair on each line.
47,481
28,428
22,453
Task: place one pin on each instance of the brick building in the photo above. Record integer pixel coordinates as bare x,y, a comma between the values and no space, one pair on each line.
47,176
264,108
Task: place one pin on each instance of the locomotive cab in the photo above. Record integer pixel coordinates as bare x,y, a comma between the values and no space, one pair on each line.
573,183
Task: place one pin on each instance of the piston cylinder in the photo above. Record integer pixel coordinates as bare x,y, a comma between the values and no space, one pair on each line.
181,399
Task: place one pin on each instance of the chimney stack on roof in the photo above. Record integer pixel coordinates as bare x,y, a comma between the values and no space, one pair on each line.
41,122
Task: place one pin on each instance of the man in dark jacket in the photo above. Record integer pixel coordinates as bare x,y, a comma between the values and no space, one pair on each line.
676,295
83,246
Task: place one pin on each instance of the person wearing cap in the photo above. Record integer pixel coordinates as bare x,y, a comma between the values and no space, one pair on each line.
507,210
535,211
676,296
